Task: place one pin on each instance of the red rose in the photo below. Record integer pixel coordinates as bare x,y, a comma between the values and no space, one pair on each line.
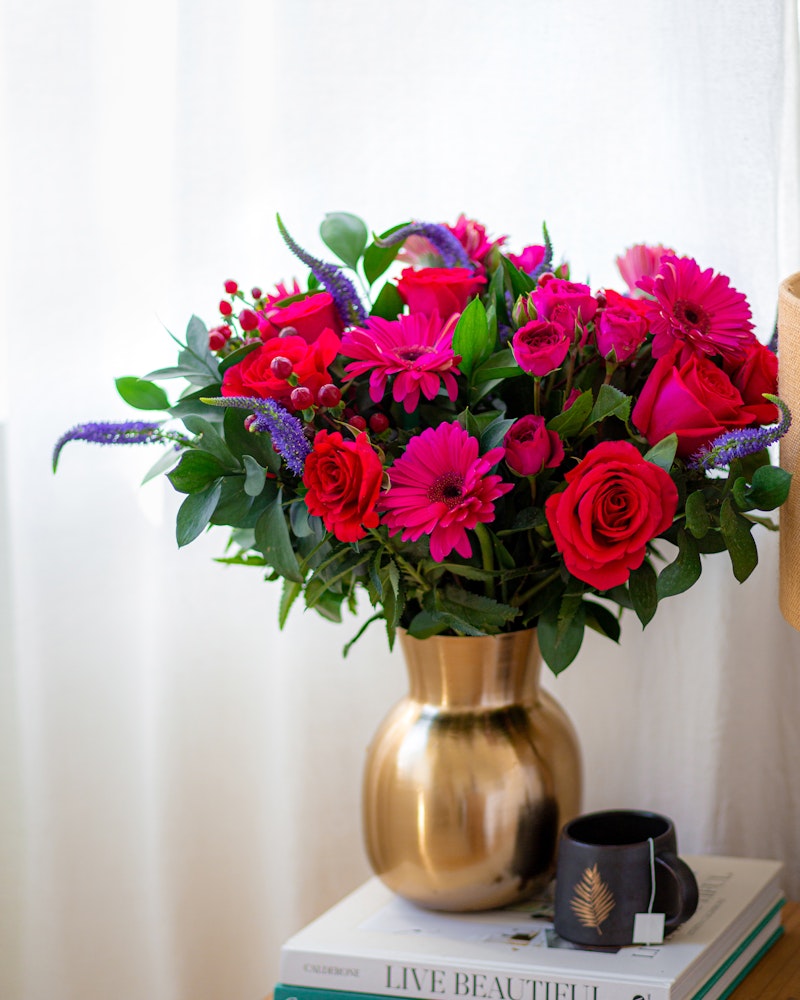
445,290
620,328
309,317
614,504
576,297
530,447
540,347
757,374
253,375
695,399
344,481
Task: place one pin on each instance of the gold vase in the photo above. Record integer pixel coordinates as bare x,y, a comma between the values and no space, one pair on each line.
471,776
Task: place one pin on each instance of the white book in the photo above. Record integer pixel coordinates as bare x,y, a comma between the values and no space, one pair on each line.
373,942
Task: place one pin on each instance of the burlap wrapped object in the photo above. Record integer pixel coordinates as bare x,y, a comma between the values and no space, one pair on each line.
789,391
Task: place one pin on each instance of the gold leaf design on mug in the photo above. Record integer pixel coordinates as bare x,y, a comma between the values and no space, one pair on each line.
592,900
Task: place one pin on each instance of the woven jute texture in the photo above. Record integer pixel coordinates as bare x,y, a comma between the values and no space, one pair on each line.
789,391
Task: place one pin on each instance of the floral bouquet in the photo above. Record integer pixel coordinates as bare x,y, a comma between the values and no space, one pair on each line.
476,441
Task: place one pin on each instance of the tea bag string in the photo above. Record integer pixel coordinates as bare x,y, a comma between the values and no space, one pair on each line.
652,874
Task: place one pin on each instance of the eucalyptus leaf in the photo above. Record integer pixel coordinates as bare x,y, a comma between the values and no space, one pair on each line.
274,543
643,591
663,453
737,532
768,489
211,441
195,471
167,461
346,235
140,393
684,572
195,513
255,476
698,521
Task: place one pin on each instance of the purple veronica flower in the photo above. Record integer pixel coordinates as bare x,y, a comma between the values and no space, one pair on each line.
448,246
130,432
739,443
547,260
286,430
342,290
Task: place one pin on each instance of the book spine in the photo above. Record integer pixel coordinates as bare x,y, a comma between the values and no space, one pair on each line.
311,977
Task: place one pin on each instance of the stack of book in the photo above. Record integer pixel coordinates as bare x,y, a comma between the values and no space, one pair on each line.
374,946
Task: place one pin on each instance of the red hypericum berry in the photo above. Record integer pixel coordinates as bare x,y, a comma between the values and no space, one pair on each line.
231,287
225,308
281,367
544,278
301,397
378,423
248,320
329,395
602,301
288,331
359,423
216,340
249,421
256,293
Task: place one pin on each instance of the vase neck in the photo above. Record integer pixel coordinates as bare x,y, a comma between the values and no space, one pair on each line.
473,671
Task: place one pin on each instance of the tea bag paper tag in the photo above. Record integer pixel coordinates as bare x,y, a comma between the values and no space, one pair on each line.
648,928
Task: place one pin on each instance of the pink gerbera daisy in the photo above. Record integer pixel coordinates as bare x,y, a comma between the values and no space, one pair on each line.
698,308
440,488
417,350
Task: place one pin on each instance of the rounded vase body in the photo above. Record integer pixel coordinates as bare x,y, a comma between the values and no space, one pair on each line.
470,778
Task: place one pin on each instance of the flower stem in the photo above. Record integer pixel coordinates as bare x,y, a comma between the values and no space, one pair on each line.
487,555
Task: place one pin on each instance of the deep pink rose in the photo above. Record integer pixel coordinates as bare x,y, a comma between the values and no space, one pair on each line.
614,504
253,375
694,399
757,374
530,447
576,297
445,290
309,317
540,347
620,328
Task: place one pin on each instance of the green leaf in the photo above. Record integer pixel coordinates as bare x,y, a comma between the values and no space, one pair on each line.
767,491
173,371
643,591
244,442
234,504
211,441
497,296
195,512
698,521
475,607
427,623
501,365
684,572
349,645
572,421
167,461
663,453
255,476
471,338
493,435
388,304
236,356
521,283
140,393
195,472
274,543
467,571
346,235
197,338
560,631
736,530
599,618
610,402
377,260
290,592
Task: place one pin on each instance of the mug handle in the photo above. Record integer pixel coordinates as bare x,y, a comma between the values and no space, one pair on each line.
687,888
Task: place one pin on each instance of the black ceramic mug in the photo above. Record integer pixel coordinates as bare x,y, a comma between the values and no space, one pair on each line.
604,877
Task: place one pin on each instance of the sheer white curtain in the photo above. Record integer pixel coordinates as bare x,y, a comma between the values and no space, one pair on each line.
180,781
